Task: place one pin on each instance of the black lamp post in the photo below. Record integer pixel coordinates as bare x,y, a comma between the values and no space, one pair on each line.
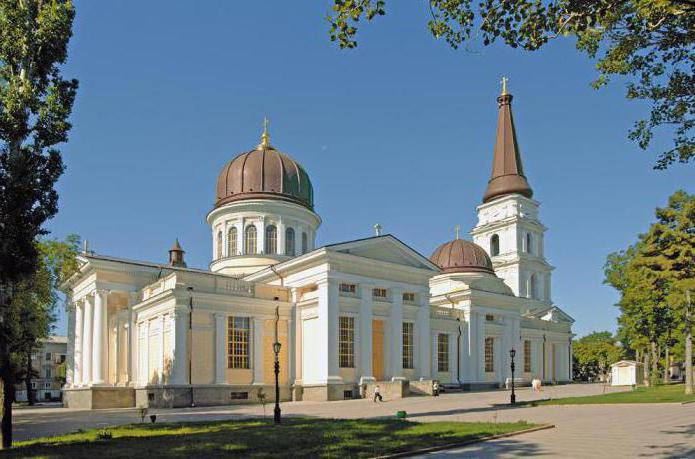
276,350
512,353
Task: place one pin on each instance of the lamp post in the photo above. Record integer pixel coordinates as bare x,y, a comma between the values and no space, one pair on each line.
512,353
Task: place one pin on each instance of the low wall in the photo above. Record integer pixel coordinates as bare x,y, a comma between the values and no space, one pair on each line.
214,395
95,398
389,390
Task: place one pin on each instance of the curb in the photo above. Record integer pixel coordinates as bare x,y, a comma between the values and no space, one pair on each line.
464,443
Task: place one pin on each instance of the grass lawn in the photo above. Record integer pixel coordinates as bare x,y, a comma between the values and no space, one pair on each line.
259,438
659,394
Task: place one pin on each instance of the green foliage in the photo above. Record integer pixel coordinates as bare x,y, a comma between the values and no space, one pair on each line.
652,277
593,354
35,104
648,41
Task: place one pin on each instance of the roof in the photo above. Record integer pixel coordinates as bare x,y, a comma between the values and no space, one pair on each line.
149,264
626,363
264,173
461,256
507,175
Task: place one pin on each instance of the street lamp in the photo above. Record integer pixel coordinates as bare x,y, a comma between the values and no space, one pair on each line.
512,353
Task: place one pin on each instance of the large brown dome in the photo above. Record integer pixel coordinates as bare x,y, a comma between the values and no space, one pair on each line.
460,256
264,173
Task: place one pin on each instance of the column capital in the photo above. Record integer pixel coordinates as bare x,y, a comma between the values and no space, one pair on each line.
221,315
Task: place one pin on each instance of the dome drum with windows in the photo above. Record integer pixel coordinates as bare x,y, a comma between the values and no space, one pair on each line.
264,211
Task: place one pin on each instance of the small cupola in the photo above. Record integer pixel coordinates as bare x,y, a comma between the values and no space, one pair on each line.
176,255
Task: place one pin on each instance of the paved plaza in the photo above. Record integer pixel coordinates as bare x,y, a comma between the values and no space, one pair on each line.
629,430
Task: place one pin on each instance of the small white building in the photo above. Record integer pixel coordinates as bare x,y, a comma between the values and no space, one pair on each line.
627,373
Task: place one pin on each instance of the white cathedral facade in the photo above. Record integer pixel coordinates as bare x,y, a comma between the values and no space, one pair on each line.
345,315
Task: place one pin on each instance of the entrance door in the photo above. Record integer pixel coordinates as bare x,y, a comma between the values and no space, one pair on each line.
378,349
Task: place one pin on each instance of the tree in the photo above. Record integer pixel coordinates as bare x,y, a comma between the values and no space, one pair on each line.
35,104
648,41
654,277
593,355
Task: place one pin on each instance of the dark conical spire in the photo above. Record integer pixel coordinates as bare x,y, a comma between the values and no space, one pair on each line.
176,255
507,172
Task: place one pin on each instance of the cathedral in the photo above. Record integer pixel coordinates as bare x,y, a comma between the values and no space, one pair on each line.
336,319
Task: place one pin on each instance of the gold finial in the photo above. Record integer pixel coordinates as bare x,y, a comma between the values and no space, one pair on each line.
265,137
456,230
504,85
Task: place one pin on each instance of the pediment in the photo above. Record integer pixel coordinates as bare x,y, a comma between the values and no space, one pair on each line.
384,248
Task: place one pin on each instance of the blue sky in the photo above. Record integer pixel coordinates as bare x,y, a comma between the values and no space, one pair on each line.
398,131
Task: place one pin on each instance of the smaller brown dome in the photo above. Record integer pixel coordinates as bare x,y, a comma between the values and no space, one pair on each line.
461,256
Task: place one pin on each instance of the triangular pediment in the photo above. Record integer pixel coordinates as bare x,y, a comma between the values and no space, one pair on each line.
384,248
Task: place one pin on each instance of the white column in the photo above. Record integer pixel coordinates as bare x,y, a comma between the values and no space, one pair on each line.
260,236
99,337
396,321
257,350
78,330
434,367
281,236
472,348
220,348
423,336
133,341
328,306
365,341
87,329
180,365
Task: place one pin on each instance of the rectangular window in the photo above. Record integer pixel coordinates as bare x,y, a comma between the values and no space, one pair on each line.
239,333
239,395
489,317
443,352
348,288
346,342
48,372
379,293
489,355
408,361
409,297
527,356
48,356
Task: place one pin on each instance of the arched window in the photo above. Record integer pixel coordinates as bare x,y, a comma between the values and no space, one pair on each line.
271,239
494,245
289,242
219,245
232,248
305,243
533,287
250,243
529,241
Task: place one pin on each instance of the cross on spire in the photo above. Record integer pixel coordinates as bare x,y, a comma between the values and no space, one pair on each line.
377,229
457,228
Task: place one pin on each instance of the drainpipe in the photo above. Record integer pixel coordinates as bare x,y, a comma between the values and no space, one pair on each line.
190,342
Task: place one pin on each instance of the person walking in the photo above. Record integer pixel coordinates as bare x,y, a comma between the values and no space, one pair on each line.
435,388
377,394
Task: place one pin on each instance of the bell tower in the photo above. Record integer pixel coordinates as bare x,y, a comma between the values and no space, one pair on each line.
508,226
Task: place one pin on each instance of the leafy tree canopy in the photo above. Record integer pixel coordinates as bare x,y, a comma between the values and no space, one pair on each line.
648,41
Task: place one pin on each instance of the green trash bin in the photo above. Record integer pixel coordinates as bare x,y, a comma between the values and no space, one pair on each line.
401,414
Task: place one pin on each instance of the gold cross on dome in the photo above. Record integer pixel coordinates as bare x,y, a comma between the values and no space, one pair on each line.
265,137
504,85
457,228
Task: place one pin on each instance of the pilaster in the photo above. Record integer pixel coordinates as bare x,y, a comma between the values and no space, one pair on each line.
396,336
220,348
